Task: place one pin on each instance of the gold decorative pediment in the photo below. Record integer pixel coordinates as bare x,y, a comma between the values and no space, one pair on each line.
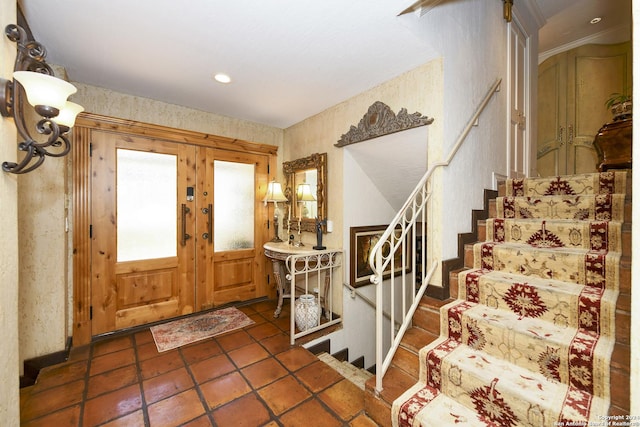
380,120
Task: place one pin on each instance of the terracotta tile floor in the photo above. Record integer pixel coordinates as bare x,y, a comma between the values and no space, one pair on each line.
249,377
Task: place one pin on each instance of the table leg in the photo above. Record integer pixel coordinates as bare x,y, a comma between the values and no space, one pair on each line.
327,281
280,277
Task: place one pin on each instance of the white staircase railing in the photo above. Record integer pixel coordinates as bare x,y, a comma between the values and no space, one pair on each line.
396,252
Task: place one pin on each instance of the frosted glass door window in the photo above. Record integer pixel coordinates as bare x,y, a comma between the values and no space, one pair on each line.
146,205
234,201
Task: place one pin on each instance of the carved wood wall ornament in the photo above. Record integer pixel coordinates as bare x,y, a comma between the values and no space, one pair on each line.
380,120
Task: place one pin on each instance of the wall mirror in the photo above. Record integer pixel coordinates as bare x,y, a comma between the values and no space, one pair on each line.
306,189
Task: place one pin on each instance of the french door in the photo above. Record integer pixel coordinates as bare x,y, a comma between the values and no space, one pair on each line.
174,229
518,145
230,227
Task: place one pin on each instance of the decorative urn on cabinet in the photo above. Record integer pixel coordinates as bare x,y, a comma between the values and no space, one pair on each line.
613,143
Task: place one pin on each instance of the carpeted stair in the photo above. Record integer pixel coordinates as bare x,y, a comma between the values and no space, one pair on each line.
529,340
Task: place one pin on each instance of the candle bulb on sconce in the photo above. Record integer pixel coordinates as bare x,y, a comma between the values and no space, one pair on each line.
289,224
299,242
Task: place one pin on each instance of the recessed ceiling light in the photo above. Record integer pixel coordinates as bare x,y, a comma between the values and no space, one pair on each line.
222,78
596,20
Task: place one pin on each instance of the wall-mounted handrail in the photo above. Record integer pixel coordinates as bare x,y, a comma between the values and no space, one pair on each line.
355,293
403,228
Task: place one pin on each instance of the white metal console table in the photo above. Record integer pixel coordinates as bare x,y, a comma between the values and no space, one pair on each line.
308,271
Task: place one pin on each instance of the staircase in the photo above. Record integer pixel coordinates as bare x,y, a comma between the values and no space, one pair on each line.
529,336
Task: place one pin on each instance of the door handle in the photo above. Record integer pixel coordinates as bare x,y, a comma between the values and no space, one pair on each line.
209,212
560,135
570,135
185,236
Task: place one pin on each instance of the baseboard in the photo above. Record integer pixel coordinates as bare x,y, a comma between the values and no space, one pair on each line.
33,366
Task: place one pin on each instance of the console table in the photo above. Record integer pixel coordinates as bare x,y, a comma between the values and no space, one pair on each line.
301,268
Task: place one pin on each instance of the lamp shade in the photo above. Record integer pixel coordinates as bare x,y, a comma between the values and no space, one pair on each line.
274,193
67,115
304,193
43,89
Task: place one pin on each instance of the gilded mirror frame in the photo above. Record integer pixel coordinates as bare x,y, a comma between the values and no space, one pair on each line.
317,161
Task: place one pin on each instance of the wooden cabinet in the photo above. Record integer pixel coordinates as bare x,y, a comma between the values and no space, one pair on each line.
572,89
613,144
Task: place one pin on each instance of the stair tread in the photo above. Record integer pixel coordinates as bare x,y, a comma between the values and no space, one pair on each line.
585,183
593,235
546,397
416,338
528,248
395,382
445,411
567,264
520,383
537,282
407,360
525,335
580,208
547,299
430,302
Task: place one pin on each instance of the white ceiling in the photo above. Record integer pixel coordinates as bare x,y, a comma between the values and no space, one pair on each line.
567,22
288,59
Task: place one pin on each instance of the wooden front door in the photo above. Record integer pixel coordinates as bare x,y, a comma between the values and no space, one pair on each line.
230,264
142,261
176,229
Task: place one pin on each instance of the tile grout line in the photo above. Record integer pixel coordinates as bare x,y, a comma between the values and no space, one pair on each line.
208,412
87,375
144,405
254,391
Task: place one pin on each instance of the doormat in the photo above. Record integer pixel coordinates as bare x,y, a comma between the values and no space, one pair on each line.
197,328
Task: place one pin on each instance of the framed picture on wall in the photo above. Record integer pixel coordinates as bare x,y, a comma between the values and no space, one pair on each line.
363,239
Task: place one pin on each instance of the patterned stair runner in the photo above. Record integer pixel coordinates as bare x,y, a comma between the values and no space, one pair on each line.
528,342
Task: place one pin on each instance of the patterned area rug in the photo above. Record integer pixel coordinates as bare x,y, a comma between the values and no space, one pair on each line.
529,340
196,328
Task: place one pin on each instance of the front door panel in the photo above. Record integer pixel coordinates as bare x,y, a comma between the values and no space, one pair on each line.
142,268
233,267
